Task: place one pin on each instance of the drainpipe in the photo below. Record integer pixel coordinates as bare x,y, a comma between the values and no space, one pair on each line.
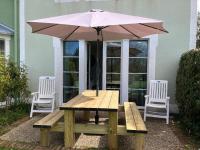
16,31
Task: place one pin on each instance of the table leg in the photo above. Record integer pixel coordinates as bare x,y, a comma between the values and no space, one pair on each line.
112,135
139,141
69,121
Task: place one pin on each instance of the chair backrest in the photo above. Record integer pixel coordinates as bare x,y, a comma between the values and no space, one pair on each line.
46,86
158,91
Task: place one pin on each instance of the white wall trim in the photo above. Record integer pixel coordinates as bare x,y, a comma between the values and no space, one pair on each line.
193,24
6,39
152,45
58,69
22,30
124,71
82,66
104,65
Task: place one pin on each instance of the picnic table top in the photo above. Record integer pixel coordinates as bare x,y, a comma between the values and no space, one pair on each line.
87,100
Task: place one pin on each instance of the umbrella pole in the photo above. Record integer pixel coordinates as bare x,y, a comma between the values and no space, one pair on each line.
97,74
97,61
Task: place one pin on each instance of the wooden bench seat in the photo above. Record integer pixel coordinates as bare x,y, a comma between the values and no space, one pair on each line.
134,122
50,120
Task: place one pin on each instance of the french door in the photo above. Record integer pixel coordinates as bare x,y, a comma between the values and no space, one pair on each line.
122,67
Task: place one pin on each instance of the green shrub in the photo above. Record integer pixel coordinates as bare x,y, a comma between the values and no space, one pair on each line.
188,91
13,81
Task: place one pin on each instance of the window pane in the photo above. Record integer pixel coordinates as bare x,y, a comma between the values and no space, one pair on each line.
137,81
71,79
137,65
113,81
2,47
137,96
113,49
71,48
69,93
71,64
113,65
138,48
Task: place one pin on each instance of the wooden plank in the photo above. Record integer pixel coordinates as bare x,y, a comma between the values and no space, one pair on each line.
72,102
112,135
88,128
138,142
91,129
92,101
114,100
44,137
140,126
49,120
105,101
130,122
69,136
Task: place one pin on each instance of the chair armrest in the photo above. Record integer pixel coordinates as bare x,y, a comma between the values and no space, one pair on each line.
167,99
146,99
34,93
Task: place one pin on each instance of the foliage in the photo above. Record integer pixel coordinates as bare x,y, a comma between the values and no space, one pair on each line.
188,91
12,114
13,81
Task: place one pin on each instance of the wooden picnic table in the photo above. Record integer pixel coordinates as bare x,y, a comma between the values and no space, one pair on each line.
88,101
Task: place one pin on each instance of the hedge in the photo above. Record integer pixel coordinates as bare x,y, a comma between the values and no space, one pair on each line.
188,91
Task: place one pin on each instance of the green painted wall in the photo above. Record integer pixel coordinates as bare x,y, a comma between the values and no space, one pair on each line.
9,16
175,14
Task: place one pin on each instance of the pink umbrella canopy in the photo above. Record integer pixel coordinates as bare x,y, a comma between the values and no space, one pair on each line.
83,26
96,25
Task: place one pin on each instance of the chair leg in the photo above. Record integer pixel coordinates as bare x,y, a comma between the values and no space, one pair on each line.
167,118
144,113
32,106
52,107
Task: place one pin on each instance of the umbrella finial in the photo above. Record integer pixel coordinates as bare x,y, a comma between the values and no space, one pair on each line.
96,10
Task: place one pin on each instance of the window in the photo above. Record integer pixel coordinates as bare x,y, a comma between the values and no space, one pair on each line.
70,69
138,59
113,65
2,47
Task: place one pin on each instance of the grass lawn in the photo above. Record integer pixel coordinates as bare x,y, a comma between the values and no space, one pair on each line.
12,114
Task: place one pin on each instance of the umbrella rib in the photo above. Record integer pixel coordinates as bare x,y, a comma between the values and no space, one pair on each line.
45,28
71,33
130,31
154,27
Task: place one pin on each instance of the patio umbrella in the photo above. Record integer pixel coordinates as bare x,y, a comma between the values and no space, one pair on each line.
96,25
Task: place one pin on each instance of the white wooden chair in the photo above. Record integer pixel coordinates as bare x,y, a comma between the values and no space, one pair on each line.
157,100
45,96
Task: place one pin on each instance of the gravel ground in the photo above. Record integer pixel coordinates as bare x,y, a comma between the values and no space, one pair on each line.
160,136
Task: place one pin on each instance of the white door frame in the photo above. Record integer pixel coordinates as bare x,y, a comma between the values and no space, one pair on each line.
58,67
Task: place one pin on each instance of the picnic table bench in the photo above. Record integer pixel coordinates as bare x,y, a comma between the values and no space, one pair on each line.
134,125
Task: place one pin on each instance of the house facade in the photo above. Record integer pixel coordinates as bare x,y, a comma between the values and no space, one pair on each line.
126,65
9,27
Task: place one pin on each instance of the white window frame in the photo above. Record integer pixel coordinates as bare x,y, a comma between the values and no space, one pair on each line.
6,39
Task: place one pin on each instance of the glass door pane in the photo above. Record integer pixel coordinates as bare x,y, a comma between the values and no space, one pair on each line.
92,66
138,59
113,65
70,69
